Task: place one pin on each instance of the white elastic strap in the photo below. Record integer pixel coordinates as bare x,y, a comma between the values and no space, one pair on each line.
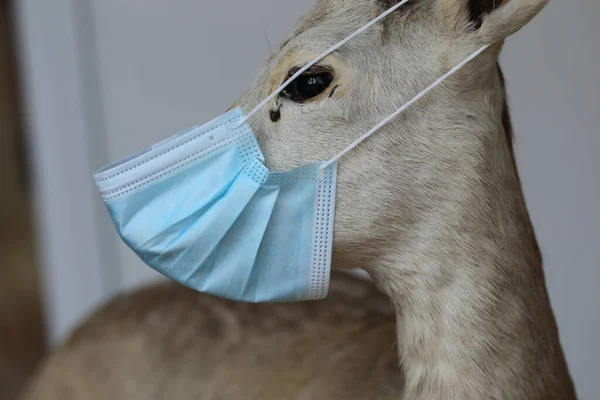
405,106
320,57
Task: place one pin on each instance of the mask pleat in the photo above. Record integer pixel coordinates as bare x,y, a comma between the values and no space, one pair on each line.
289,228
188,248
237,251
149,212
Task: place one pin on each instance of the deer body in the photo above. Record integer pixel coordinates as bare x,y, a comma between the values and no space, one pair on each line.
168,342
431,207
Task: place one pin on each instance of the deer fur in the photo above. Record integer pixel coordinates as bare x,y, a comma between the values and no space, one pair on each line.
431,207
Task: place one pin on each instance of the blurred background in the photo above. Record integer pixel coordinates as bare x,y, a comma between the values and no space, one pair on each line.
21,328
85,82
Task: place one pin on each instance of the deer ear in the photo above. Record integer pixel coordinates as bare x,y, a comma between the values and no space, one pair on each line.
478,9
496,23
493,20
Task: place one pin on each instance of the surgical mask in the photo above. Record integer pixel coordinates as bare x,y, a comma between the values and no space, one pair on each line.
202,208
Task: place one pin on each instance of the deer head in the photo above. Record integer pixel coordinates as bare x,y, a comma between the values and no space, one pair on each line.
431,205
389,184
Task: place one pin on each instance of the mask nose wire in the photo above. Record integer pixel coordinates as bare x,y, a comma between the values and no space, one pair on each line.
320,57
405,106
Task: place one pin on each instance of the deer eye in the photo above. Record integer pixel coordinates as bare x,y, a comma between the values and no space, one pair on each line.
308,85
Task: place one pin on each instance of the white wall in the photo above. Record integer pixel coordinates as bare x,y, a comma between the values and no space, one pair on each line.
71,244
152,68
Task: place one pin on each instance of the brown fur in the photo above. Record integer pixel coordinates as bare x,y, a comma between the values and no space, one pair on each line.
168,342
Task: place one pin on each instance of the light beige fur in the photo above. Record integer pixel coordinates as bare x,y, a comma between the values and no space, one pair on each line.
431,206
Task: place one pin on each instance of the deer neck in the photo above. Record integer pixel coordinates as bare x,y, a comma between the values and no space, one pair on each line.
474,318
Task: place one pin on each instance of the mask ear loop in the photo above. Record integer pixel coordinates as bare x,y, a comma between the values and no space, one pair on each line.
319,58
405,106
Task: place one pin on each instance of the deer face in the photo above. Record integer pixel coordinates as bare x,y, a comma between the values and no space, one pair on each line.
389,183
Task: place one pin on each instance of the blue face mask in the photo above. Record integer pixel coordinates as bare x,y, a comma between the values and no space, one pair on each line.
202,209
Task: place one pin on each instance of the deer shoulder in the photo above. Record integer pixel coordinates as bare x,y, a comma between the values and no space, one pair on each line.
170,342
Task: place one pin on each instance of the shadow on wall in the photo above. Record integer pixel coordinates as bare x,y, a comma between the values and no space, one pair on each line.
21,331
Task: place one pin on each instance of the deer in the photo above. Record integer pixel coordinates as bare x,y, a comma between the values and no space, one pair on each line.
431,207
